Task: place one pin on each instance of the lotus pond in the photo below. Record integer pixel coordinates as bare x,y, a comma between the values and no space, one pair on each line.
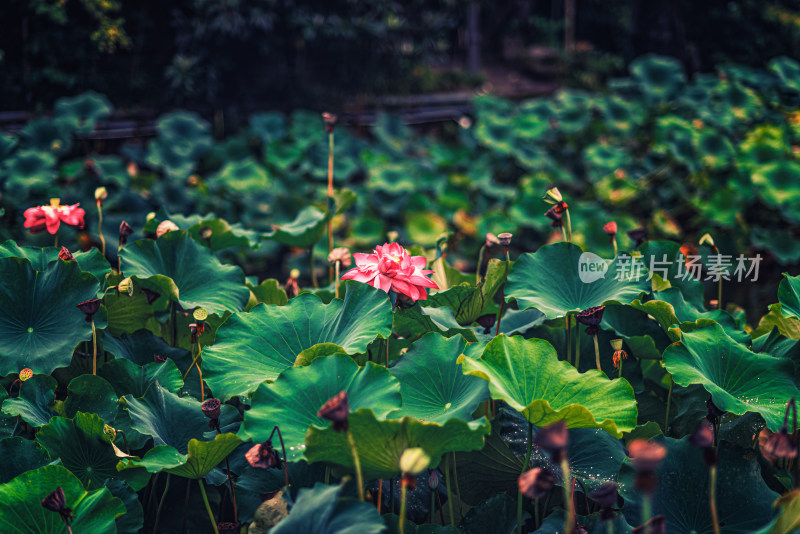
304,329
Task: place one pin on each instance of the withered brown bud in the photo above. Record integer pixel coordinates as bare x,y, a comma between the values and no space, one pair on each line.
329,119
89,308
646,455
263,456
65,254
605,495
336,410
713,411
703,438
409,480
552,438
491,240
639,235
555,217
56,502
618,356
560,207
780,445
536,482
591,317
125,231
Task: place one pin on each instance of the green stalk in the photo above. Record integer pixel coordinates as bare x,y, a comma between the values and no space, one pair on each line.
208,506
536,518
569,337
569,518
503,294
597,353
568,224
524,468
719,294
311,267
577,344
336,280
480,264
357,464
614,242
712,497
161,504
403,492
100,229
455,481
646,513
94,349
449,493
669,400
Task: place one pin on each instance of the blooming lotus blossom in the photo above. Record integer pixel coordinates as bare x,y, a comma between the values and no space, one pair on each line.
50,217
392,268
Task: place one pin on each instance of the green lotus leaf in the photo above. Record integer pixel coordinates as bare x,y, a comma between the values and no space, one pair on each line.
392,178
223,234
602,159
788,520
257,346
391,131
787,326
91,261
466,300
328,510
778,241
496,133
142,346
91,394
621,116
744,501
762,145
315,162
663,259
381,443
133,520
21,455
716,150
8,143
166,417
125,377
239,177
738,379
84,110
85,450
549,280
127,314
528,375
202,457
572,110
425,229
35,401
304,231
370,386
27,171
21,509
788,72
47,135
777,182
269,126
432,384
268,292
789,296
533,119
495,515
659,77
40,324
306,127
413,322
186,272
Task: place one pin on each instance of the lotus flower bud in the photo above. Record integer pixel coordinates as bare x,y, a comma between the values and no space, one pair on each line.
329,119
553,196
605,495
100,194
780,445
291,286
263,456
536,482
505,238
414,460
336,410
56,502
708,240
610,228
491,240
591,317
341,254
25,374
553,439
433,479
65,254
166,226
125,231
89,308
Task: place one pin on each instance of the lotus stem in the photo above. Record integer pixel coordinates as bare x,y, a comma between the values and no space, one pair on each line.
568,320
614,242
380,498
357,464
336,279
712,497
94,348
524,468
403,492
503,292
100,228
330,199
433,506
564,233
569,518
568,225
610,526
208,506
387,352
186,504
597,353
55,243
124,440
646,513
161,504
577,344
449,493
480,264
173,319
455,483
230,482
619,374
669,400
311,268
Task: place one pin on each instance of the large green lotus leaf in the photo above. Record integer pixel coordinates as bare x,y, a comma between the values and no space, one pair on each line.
659,77
224,235
83,110
787,326
269,126
304,231
269,292
126,377
466,300
370,386
20,455
381,443
663,259
432,384
186,272
778,183
85,450
549,281
128,313
91,261
789,295
413,322
202,457
167,418
40,324
142,346
328,510
744,502
133,520
788,72
26,172
21,509
495,515
257,346
239,177
738,379
528,375
91,394
35,401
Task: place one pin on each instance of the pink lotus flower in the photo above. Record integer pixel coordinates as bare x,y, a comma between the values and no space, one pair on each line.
392,268
50,217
